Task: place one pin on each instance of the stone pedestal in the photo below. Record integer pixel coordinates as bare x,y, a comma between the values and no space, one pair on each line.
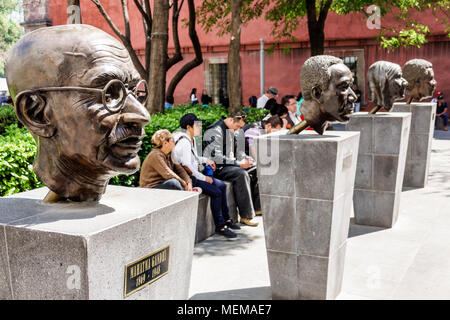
97,250
381,165
419,144
306,186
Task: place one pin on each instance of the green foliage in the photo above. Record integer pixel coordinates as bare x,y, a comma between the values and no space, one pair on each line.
7,117
17,152
10,32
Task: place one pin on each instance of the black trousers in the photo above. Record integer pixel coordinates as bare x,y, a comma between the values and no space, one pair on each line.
242,188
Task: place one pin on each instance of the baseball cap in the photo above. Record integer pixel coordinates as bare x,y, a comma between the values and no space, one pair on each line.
188,120
273,90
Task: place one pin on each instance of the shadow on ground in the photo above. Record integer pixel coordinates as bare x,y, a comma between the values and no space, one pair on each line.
258,293
359,230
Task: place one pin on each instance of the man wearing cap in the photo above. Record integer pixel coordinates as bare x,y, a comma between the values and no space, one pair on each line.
185,153
272,92
441,110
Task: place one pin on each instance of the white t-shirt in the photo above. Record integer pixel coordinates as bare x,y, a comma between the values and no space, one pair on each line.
261,102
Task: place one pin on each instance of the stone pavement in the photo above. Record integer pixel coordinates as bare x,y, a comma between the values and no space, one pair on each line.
409,261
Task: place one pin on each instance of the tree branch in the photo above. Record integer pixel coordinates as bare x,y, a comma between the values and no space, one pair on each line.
177,57
197,49
145,17
126,18
125,40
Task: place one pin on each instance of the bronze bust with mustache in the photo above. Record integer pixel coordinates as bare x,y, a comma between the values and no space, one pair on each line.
76,90
420,76
386,84
326,87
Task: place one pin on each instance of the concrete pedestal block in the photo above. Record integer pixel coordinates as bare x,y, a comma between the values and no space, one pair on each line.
381,166
96,250
419,143
306,187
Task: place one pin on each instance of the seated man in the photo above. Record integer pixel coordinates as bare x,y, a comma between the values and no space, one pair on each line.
441,110
158,170
290,103
185,153
220,145
272,124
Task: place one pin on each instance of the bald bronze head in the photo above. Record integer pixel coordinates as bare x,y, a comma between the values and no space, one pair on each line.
420,76
326,87
386,83
76,90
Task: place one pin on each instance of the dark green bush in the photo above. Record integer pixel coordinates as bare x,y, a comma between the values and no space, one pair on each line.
17,151
7,117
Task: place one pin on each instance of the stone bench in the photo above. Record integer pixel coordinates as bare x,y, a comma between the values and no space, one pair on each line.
205,222
439,123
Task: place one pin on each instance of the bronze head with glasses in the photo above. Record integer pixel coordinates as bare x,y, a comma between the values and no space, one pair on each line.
76,90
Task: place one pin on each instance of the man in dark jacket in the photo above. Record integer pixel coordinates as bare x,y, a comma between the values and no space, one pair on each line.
221,145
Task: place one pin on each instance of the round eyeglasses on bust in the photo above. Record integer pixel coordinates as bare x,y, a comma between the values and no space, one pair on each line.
113,94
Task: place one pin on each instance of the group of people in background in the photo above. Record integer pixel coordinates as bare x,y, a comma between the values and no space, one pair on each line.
174,163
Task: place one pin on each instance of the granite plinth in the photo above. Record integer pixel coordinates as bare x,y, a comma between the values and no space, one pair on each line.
381,166
419,142
77,251
306,187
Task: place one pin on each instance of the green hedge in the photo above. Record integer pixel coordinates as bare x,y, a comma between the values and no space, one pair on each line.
7,117
18,148
17,151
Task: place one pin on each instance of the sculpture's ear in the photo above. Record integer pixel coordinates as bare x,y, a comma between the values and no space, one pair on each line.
31,110
316,93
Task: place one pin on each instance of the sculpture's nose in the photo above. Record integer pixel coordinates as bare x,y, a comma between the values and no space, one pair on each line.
134,112
351,96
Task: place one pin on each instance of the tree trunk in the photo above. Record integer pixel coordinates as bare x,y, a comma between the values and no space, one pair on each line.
317,39
316,25
234,58
197,49
158,56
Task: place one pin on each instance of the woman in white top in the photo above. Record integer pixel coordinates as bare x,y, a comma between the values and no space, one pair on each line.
194,99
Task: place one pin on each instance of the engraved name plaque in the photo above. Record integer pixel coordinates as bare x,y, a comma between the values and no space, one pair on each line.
146,270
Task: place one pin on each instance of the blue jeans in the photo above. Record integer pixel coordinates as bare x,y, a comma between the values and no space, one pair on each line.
171,184
218,194
445,118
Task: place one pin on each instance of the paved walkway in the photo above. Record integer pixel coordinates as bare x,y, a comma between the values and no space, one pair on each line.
409,261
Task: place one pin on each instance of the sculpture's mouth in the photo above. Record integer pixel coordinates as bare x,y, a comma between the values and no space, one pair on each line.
125,142
345,110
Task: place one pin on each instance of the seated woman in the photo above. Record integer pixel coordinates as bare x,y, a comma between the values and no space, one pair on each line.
158,170
185,154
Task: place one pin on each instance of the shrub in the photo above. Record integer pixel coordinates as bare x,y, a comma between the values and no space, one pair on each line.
7,117
17,151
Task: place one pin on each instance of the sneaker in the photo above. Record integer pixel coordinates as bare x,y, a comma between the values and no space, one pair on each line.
249,222
197,189
227,233
232,225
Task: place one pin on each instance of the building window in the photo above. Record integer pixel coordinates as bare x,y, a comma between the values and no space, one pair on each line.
218,83
352,64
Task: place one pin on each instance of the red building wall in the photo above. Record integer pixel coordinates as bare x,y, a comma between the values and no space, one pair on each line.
346,36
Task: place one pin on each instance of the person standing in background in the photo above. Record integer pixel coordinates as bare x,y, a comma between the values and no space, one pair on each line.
194,99
271,93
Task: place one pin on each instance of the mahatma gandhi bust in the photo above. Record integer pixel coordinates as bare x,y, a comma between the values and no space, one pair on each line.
326,87
76,90
386,84
420,76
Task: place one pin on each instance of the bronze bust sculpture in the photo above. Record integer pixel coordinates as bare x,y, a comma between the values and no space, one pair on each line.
420,76
326,87
386,84
76,90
